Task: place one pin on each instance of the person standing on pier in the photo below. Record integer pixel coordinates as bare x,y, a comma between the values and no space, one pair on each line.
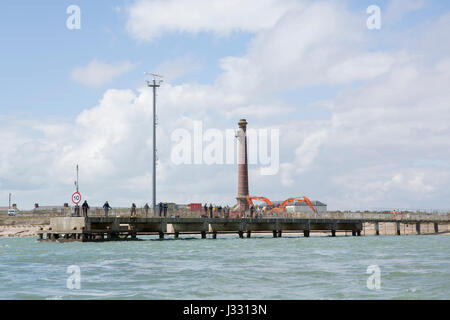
226,212
160,205
146,207
205,207
77,210
85,208
210,210
106,208
252,210
133,210
165,209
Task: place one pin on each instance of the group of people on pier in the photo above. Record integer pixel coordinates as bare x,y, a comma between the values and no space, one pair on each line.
216,211
106,208
211,211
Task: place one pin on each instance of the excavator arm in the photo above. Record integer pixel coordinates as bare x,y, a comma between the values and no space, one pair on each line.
250,200
282,207
308,202
297,199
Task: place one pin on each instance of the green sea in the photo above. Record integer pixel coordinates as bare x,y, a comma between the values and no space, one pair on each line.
292,267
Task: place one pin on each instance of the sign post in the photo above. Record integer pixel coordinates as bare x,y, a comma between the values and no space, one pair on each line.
76,198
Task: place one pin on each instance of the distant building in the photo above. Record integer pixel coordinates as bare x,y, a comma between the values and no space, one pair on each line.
304,208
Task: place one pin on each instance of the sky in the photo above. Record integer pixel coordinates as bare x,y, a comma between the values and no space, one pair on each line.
363,114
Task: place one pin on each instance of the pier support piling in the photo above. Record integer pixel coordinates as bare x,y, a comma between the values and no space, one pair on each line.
436,228
418,228
280,234
214,235
274,233
241,234
398,228
176,235
249,234
306,233
377,228
333,233
203,235
161,235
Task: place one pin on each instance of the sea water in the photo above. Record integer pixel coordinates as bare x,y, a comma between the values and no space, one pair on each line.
292,267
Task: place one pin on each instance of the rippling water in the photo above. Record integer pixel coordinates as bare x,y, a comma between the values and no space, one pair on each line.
412,267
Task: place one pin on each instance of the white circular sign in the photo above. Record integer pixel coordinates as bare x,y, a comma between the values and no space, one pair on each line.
76,198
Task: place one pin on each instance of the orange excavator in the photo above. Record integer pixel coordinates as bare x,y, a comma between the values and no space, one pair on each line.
267,201
282,206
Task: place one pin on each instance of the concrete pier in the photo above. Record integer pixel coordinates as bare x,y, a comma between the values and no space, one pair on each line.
115,229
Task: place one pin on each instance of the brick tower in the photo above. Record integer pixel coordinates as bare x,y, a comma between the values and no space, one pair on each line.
242,166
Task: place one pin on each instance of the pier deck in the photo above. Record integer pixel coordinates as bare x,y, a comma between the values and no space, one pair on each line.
86,229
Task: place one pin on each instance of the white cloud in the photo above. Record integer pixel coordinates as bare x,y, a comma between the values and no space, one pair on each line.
319,43
149,19
98,73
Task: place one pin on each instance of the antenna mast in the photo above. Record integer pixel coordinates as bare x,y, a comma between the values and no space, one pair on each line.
155,83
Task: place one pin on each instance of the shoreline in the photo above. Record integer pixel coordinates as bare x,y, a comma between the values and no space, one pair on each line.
19,231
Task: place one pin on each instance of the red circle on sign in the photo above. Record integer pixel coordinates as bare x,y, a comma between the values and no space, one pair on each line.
76,198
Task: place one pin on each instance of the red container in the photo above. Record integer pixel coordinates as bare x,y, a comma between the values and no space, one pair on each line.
195,207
